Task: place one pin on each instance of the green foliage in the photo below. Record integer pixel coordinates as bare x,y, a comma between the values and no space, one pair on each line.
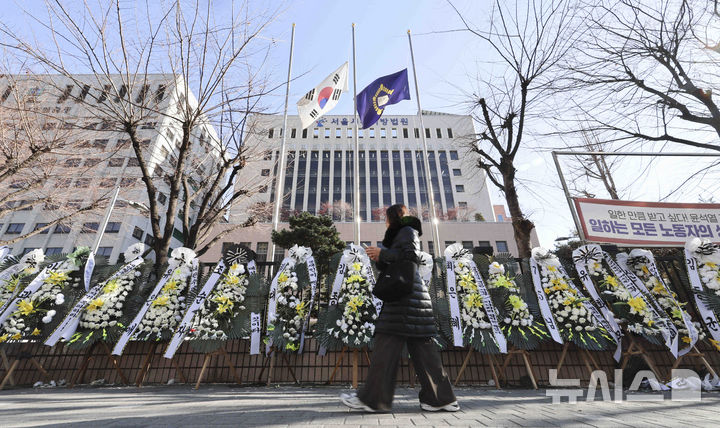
317,232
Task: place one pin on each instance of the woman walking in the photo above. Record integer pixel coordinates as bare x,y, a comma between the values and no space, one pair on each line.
408,321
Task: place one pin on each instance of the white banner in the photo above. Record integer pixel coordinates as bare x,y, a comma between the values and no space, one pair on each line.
69,325
489,308
312,271
195,266
708,316
11,305
455,321
637,289
656,224
128,333
692,333
186,323
543,303
89,267
4,252
272,297
255,329
599,310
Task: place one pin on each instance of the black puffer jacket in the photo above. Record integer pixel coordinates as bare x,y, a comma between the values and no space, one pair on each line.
413,315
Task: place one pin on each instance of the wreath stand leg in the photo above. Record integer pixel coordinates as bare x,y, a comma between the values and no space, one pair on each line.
337,365
528,367
561,361
140,379
636,349
411,369
464,365
8,369
355,374
272,366
206,361
697,354
178,370
367,356
79,375
491,362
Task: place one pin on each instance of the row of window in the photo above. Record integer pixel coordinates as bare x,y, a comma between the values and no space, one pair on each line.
382,132
386,178
87,227
99,95
51,251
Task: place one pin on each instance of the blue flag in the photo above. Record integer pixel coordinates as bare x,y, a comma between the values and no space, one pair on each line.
372,100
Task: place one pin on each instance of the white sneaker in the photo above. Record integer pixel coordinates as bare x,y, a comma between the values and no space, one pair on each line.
353,402
452,407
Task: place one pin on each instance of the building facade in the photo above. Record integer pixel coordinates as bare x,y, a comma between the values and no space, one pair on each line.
92,160
319,179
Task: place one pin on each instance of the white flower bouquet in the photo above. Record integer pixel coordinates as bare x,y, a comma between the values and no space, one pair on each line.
37,313
349,320
105,316
518,322
11,277
639,262
575,322
293,301
166,309
631,312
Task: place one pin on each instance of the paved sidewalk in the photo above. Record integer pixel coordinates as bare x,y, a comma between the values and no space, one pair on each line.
222,405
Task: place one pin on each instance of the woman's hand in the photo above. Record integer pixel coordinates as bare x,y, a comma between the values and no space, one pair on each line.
373,253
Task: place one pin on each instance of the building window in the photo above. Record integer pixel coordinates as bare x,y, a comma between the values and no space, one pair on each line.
293,133
502,246
327,132
267,155
113,227
61,229
72,162
371,132
304,133
162,198
90,227
127,181
133,162
349,132
484,244
51,251
453,155
27,250
427,132
468,245
40,226
271,132
15,228
417,133
82,183
383,133
263,189
338,133
361,133
462,204
262,249
149,239
104,251
265,172
405,133
393,132
316,133
137,233
449,243
459,188
438,132
107,182
457,172
449,133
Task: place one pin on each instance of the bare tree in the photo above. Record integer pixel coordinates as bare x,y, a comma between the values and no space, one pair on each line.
530,38
211,59
645,73
35,151
593,168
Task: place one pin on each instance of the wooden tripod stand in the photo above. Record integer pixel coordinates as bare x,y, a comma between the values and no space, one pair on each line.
79,374
491,363
10,367
588,359
355,368
270,360
208,357
526,359
147,362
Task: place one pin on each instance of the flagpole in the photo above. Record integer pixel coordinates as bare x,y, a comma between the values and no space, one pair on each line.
356,156
428,176
281,164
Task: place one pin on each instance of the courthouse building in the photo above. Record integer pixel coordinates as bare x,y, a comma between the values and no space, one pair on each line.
319,179
92,160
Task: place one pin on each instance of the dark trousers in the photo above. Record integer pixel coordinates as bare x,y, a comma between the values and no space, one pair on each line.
379,388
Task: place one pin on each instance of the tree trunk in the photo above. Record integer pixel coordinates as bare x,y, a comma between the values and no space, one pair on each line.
521,226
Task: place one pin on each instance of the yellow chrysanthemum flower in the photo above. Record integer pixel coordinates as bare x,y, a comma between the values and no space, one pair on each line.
552,268
4,338
637,304
711,265
170,286
16,336
224,304
57,278
686,339
357,266
232,280
283,277
161,301
35,332
612,281
110,286
26,307
355,303
95,304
